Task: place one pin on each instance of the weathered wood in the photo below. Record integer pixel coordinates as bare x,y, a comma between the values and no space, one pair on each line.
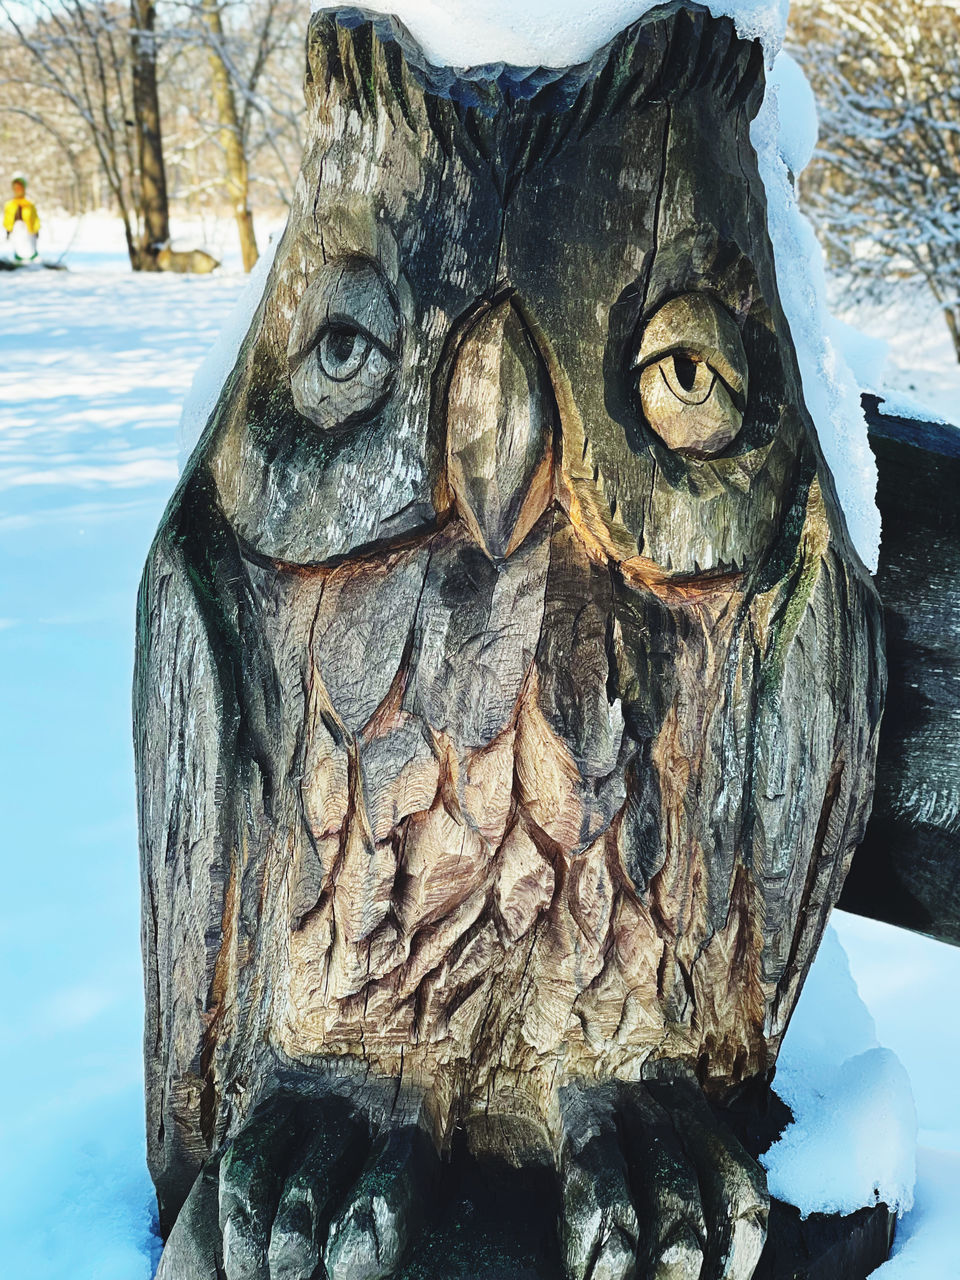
504,732
907,871
489,1220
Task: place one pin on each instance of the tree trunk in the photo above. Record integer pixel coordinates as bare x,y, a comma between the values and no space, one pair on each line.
952,317
155,217
231,136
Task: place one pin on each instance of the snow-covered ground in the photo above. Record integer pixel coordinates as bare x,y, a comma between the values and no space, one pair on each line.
95,240
93,366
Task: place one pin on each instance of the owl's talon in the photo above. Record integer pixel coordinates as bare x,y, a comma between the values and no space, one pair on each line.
679,1259
599,1228
294,1252
297,1235
736,1204
250,1182
665,1182
368,1237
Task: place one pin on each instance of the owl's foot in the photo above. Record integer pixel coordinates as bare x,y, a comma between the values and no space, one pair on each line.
652,1187
304,1191
369,1234
655,1187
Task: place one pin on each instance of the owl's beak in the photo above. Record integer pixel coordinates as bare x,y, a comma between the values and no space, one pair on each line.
501,416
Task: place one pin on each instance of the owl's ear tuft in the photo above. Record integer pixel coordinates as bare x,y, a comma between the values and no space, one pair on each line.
702,52
371,62
364,58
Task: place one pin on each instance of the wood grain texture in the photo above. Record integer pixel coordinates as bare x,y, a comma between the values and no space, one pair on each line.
488,747
907,871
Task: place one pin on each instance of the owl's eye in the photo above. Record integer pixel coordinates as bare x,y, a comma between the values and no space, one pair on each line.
345,352
692,375
342,352
688,376
344,345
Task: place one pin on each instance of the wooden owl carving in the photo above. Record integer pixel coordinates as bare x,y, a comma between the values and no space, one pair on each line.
508,687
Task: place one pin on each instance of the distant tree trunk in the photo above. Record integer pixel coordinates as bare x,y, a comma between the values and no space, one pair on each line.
231,135
155,216
952,317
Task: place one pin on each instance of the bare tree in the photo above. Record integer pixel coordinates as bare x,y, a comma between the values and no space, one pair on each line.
85,83
884,186
231,133
254,52
79,52
146,110
36,124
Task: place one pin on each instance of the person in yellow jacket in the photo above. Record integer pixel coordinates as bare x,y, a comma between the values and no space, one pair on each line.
21,223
